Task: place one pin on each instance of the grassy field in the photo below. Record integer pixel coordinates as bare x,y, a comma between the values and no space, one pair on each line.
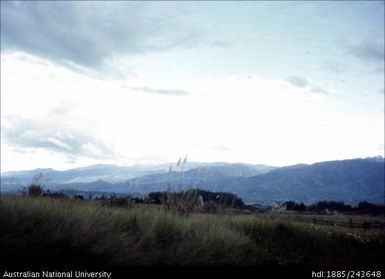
348,222
48,232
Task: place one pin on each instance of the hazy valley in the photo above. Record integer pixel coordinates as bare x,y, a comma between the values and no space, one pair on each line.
349,181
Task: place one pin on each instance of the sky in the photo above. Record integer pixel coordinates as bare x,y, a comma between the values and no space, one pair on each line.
125,83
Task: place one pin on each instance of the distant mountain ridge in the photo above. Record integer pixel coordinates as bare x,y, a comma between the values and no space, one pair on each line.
119,174
350,181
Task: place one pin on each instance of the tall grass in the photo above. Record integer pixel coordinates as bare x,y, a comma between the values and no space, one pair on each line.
185,202
48,232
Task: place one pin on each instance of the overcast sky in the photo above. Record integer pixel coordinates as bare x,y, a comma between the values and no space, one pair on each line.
128,83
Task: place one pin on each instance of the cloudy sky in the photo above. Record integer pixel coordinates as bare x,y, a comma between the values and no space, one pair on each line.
128,83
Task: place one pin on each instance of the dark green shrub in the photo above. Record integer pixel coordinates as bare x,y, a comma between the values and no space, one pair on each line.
35,190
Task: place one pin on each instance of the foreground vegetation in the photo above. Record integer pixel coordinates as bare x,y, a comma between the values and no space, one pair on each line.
50,232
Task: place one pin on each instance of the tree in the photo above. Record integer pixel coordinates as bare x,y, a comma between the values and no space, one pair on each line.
35,189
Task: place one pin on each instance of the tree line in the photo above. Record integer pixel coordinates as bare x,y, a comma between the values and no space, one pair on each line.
325,206
207,201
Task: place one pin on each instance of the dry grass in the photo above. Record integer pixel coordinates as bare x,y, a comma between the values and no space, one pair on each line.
51,232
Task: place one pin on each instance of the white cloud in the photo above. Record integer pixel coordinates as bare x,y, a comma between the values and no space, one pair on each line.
58,143
306,83
88,36
235,119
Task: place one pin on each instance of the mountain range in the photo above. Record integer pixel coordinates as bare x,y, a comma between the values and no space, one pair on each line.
349,181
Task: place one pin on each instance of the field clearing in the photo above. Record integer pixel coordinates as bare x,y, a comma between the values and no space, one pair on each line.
362,223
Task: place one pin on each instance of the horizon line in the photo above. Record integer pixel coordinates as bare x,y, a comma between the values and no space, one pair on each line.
193,162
